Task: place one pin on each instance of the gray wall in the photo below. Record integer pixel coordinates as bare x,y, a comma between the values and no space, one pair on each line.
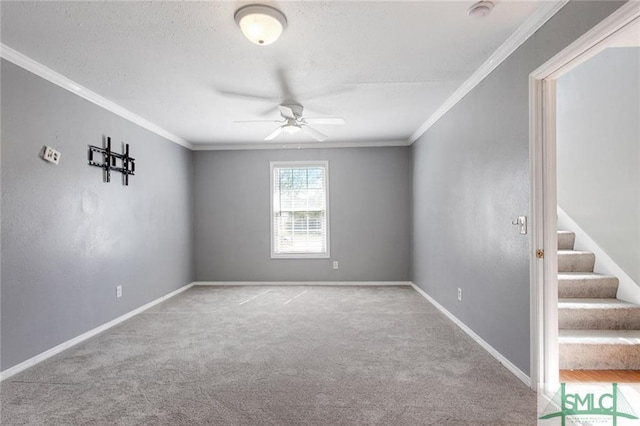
471,179
598,144
369,194
68,238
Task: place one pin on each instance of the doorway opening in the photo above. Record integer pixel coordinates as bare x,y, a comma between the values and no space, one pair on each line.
622,27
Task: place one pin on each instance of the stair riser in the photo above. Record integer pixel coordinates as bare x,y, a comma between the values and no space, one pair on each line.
599,319
602,288
566,240
599,357
576,262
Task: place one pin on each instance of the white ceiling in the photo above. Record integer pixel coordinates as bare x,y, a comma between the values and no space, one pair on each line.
383,66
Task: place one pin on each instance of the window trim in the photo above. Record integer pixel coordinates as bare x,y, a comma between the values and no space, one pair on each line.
293,164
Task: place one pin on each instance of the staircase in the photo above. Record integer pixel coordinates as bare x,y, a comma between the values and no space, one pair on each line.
597,331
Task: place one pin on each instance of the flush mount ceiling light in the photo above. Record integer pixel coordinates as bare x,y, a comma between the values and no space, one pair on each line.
261,24
480,9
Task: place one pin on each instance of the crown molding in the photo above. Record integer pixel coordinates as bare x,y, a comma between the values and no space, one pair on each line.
542,14
58,79
289,145
591,43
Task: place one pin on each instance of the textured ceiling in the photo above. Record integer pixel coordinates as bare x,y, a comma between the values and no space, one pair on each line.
185,66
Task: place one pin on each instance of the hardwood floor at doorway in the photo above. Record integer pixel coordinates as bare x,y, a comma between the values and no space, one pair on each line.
611,376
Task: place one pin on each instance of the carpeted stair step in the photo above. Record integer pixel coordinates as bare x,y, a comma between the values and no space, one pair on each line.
598,314
599,349
566,240
587,285
575,261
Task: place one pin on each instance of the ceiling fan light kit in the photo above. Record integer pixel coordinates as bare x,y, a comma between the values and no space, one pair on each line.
294,122
261,24
291,128
480,9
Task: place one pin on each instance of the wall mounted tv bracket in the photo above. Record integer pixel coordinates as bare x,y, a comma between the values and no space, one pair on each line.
112,161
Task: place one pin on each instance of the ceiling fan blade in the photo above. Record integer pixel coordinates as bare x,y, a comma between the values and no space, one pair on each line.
324,120
249,96
320,137
258,121
285,89
274,134
286,111
270,111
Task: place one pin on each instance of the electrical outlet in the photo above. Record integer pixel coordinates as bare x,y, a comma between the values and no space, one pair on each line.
51,155
118,292
459,295
335,264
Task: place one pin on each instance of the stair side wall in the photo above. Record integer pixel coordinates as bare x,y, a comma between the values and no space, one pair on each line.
628,289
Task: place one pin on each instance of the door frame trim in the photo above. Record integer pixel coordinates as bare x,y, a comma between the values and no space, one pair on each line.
543,211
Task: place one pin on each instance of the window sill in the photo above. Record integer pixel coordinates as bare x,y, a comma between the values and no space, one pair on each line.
301,256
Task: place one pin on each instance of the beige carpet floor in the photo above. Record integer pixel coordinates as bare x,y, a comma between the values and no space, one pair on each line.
274,356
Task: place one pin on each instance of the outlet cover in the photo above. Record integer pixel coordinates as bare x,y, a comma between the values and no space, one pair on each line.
335,264
459,295
118,292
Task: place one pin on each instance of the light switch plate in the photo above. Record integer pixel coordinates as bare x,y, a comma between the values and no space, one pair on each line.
51,155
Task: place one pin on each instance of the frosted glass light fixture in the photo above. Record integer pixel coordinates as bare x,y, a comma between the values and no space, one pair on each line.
261,24
291,128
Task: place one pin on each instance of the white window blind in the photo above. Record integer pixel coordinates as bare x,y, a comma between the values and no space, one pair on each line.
299,209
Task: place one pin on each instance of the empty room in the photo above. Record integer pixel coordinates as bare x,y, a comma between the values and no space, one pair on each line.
319,212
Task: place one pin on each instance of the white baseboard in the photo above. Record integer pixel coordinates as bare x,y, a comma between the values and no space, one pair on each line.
84,336
497,355
628,289
76,340
301,283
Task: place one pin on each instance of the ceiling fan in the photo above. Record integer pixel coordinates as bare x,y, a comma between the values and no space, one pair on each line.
293,122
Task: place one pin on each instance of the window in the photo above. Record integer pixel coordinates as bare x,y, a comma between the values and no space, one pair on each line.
300,209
